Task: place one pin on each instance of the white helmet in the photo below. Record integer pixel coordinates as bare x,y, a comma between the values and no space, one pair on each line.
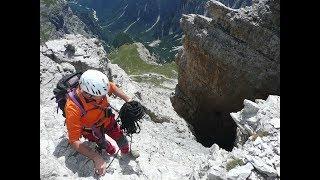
94,82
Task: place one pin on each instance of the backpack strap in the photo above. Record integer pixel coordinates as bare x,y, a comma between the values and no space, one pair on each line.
77,101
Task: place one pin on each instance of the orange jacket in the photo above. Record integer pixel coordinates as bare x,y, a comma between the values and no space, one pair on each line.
75,122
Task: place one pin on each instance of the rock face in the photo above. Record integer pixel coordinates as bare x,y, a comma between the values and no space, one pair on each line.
229,55
257,156
81,56
57,19
168,150
260,121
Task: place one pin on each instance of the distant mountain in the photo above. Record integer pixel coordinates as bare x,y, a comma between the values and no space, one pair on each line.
144,20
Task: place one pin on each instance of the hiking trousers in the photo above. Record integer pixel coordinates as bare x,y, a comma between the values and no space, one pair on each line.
112,130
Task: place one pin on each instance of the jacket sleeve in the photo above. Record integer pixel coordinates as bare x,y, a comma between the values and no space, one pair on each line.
73,122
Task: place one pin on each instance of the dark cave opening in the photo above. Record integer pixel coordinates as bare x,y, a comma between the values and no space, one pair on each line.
215,127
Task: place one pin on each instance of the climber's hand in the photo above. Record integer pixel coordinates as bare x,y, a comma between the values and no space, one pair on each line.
100,165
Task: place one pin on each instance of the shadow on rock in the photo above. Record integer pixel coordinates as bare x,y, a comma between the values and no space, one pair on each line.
75,161
126,168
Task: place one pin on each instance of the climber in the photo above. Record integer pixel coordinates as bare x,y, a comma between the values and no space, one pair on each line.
97,120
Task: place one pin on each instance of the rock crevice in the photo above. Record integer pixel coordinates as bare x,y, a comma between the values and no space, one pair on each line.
228,55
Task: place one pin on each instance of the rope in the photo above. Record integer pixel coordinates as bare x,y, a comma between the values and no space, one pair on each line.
118,152
113,159
130,141
114,108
